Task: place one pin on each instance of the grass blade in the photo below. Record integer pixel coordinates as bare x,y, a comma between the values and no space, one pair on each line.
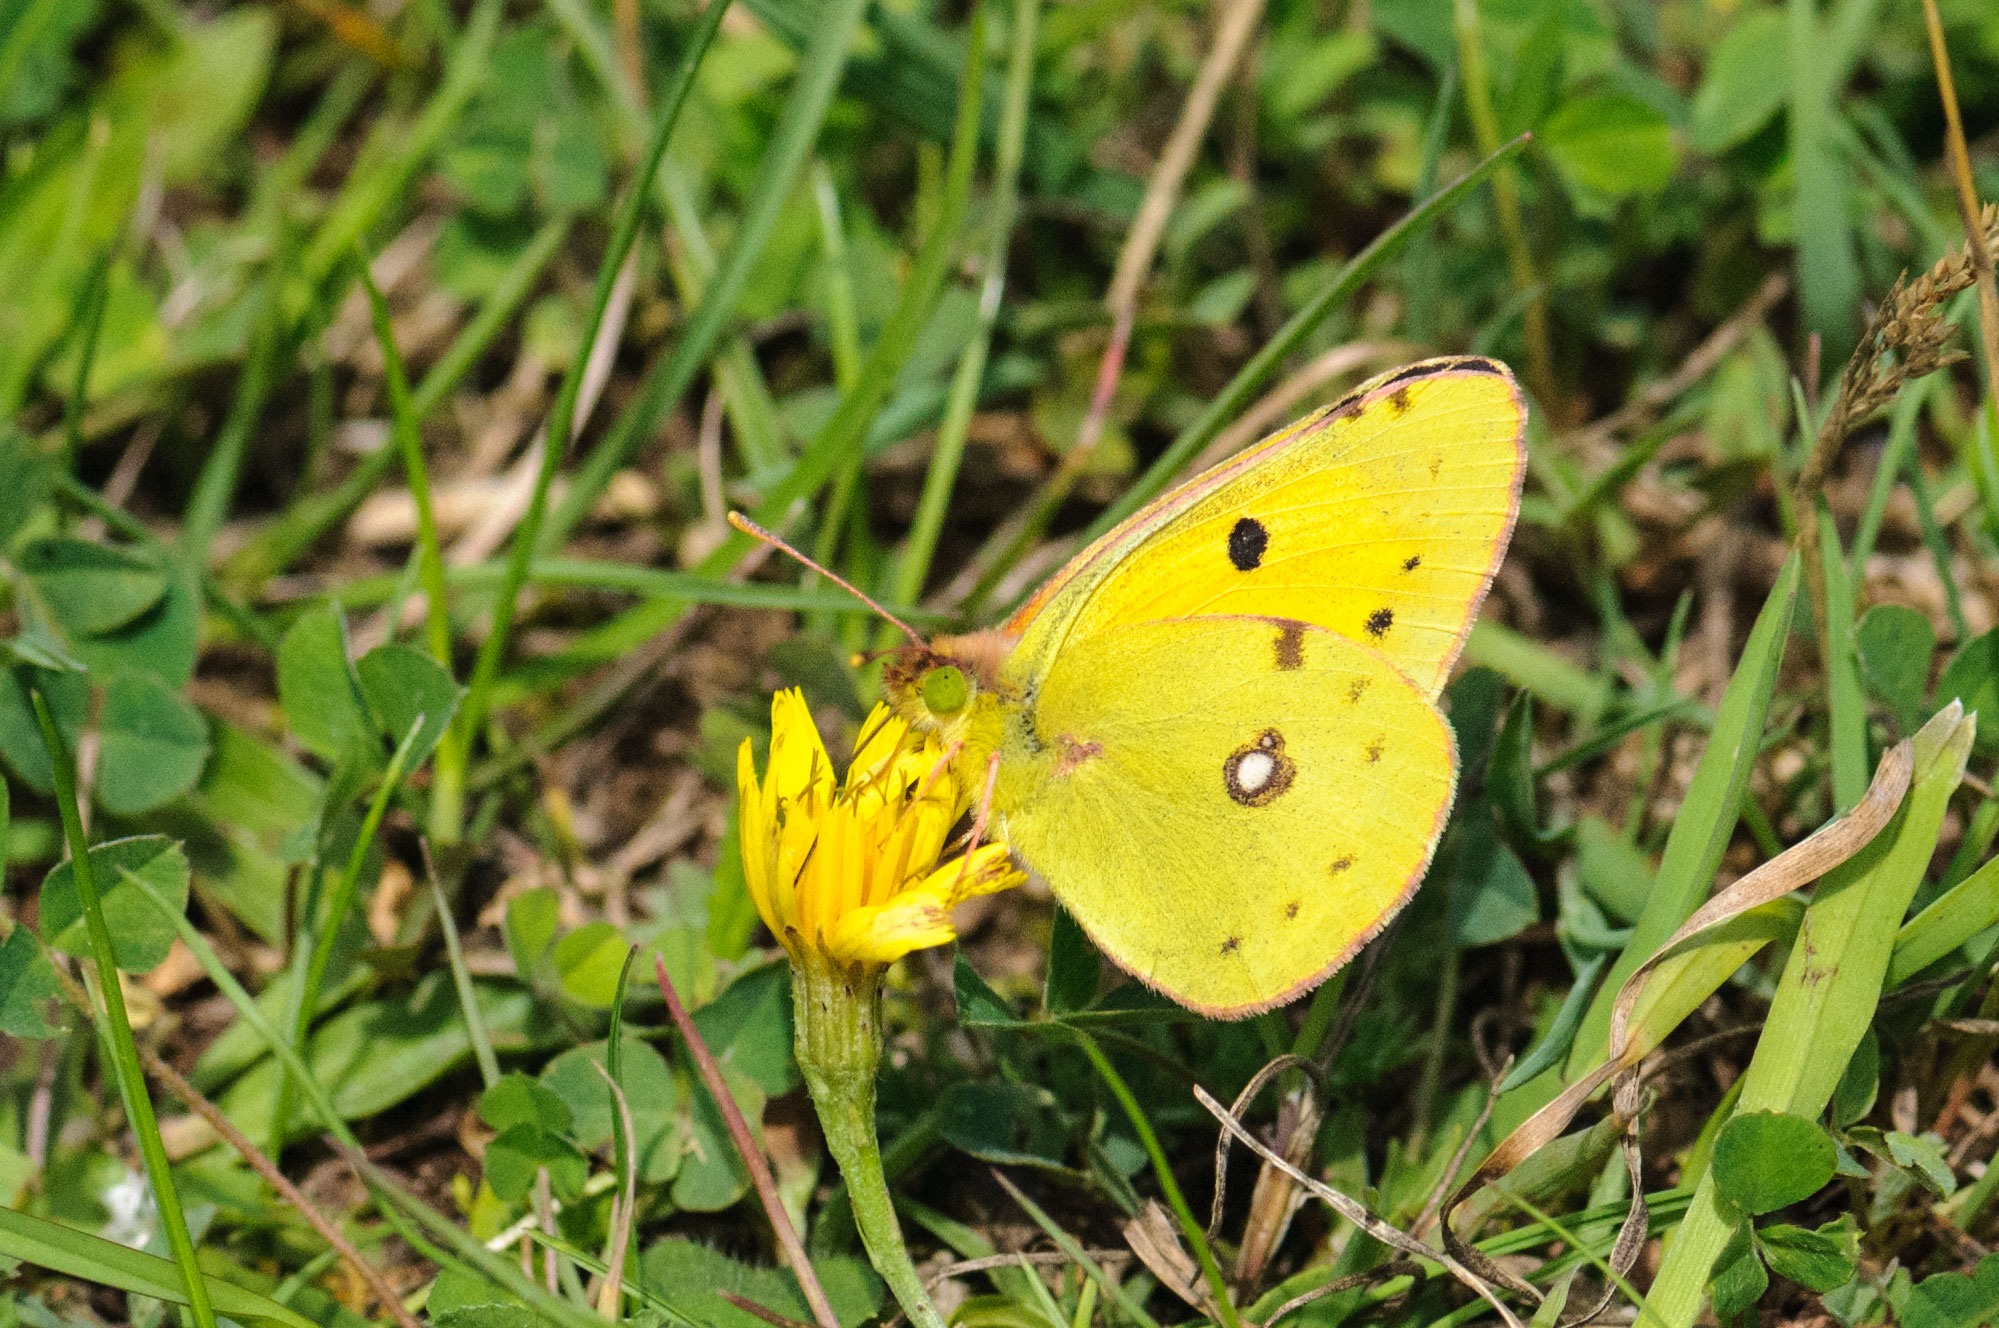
74,1253
1068,1245
306,521
1707,817
1953,918
1265,363
1830,987
914,566
409,444
311,975
1162,1171
520,552
842,437
117,1025
1828,272
1846,706
797,130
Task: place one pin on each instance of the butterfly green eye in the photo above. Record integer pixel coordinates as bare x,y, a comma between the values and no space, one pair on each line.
945,690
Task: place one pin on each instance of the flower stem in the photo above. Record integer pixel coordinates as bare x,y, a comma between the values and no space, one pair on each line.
838,1043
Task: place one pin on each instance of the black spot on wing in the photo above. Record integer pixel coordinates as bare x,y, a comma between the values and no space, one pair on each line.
1231,945
1247,541
1374,751
1291,910
1340,864
1398,400
1356,689
1379,622
1412,562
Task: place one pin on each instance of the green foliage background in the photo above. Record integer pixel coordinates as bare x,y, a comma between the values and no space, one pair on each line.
288,294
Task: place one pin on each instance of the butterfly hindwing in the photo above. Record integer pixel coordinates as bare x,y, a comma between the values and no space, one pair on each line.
1383,519
1229,805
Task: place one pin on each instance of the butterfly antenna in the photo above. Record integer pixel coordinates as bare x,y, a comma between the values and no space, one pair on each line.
751,528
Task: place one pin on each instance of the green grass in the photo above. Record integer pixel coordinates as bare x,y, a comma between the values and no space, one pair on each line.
288,292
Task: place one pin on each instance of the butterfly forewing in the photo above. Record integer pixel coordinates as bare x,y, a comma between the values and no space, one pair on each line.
1230,806
1383,519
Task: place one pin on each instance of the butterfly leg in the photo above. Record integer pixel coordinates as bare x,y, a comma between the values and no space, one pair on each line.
984,812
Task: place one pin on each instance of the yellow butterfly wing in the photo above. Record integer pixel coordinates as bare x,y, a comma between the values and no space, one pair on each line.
1229,806
1382,517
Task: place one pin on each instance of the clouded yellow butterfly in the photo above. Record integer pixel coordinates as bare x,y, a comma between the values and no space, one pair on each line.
1217,726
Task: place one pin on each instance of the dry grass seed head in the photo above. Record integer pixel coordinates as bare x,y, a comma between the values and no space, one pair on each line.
1904,340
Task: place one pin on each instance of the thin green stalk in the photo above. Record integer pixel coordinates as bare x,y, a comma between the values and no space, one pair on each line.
1423,280
1264,365
1584,1250
602,574
392,1200
1430,1080
843,323
842,438
302,525
215,487
447,792
614,1066
1506,203
1162,1171
404,149
1010,543
520,553
409,442
757,430
1069,1246
1319,1015
117,1023
1846,707
914,566
309,979
1937,543
89,322
461,978
797,129
1901,443
838,1049
844,336
1828,271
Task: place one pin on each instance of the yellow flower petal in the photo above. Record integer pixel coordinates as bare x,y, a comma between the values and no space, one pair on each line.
884,933
753,837
847,869
987,870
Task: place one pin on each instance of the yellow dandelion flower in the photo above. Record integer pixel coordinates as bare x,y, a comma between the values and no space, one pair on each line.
846,871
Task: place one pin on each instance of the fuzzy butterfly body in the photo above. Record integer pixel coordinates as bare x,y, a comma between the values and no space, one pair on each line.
1217,728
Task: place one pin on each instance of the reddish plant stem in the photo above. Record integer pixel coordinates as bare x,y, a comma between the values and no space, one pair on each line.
746,1144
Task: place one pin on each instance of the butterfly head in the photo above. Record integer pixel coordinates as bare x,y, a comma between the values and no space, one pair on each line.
952,686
